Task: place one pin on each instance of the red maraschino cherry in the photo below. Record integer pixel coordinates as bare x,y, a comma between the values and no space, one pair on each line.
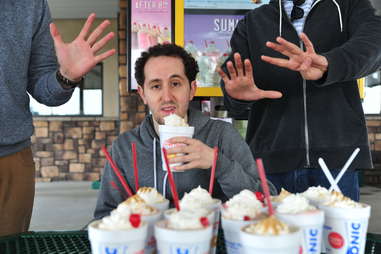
135,220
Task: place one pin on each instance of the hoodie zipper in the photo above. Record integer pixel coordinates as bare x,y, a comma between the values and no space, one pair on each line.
306,136
305,114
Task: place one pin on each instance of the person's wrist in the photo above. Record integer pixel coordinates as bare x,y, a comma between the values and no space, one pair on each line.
66,82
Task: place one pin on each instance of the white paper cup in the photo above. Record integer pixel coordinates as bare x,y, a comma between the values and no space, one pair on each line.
311,225
117,241
232,234
193,241
150,246
166,132
345,229
277,244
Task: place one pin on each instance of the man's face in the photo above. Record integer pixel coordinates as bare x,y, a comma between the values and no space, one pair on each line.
166,87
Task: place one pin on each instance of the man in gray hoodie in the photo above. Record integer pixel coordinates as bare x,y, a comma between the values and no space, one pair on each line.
35,61
166,76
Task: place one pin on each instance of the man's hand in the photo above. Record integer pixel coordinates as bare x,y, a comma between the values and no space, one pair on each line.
310,65
79,56
239,84
195,154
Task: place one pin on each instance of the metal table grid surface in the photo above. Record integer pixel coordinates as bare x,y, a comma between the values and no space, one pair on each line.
76,242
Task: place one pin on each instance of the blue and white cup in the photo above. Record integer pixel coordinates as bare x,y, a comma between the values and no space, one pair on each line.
130,241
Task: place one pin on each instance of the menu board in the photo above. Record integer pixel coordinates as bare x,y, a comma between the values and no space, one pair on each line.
207,38
150,23
224,4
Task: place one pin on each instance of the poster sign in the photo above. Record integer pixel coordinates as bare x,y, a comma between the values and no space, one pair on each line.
150,23
207,38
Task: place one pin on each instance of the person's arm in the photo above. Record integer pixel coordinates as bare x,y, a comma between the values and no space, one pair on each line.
356,58
237,80
42,82
75,59
361,54
236,168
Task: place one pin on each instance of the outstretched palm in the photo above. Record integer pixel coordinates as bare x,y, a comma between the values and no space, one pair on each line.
310,65
239,84
79,56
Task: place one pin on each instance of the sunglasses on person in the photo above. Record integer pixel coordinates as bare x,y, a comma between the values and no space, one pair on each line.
297,12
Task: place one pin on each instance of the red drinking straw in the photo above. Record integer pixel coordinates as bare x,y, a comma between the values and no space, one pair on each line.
265,186
171,181
117,172
213,173
135,160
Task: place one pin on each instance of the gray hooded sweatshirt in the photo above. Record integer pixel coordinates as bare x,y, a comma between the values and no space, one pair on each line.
235,170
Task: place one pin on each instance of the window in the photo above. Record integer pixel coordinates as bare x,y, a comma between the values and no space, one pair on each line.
87,100
372,93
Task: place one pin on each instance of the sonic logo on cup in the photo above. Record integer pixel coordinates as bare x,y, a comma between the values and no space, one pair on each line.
335,240
354,238
312,240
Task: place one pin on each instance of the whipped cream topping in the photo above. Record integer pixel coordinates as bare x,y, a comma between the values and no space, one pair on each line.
294,203
317,193
282,195
196,198
187,219
137,205
175,120
268,226
119,219
150,195
243,206
337,199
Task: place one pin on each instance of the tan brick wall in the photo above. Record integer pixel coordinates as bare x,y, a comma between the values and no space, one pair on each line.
71,150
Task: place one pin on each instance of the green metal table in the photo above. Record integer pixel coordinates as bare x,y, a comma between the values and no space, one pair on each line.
76,242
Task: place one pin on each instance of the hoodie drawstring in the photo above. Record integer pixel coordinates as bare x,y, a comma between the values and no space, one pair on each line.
154,164
155,170
313,5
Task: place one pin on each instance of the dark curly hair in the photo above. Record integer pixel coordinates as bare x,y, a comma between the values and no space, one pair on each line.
168,49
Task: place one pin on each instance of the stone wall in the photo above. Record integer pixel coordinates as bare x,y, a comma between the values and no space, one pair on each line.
71,149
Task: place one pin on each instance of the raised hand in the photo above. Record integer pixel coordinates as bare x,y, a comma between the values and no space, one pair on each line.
310,65
195,153
79,56
239,84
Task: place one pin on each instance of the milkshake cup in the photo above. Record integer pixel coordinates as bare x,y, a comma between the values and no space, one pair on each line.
184,232
296,211
345,228
311,225
167,132
274,238
199,198
150,216
129,241
241,210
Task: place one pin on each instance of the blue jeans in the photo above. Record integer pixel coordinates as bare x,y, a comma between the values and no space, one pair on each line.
299,180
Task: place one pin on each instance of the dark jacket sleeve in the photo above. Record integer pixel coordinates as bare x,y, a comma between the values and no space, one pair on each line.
238,40
236,169
361,54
